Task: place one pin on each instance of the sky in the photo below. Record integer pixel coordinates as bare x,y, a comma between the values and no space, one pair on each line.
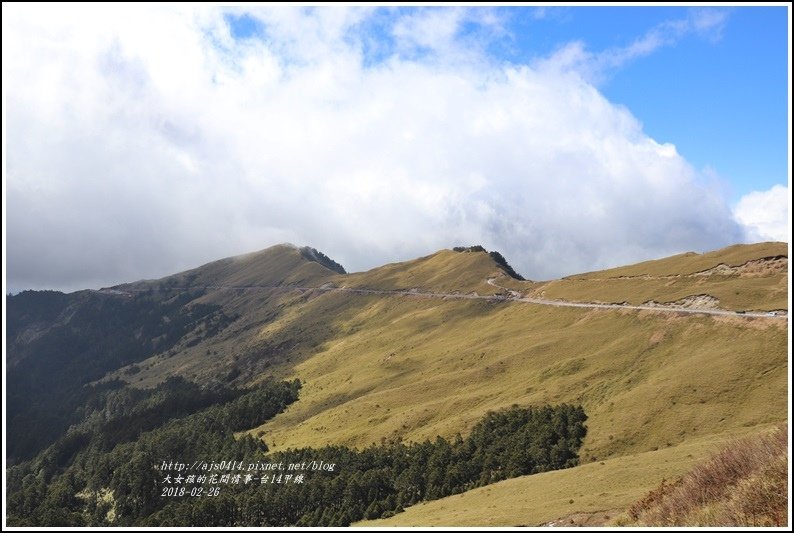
144,140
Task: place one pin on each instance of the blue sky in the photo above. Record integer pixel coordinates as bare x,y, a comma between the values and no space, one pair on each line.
143,139
722,100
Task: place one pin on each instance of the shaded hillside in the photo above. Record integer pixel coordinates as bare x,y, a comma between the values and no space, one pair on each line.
58,344
97,475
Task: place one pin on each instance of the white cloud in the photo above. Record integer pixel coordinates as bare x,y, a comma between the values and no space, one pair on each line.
706,23
144,140
765,214
451,34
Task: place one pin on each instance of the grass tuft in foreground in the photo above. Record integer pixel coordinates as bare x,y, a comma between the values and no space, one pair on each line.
743,485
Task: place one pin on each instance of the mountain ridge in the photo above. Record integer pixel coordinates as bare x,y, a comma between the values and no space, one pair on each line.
731,256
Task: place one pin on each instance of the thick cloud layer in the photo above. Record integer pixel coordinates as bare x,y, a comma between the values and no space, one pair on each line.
145,141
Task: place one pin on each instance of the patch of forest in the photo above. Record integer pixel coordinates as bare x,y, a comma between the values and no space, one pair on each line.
107,471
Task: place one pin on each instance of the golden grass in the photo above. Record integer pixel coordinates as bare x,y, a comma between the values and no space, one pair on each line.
608,487
379,366
418,368
690,262
444,271
733,292
671,279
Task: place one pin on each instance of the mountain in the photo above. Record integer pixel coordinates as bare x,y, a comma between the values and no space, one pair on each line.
666,358
277,265
57,343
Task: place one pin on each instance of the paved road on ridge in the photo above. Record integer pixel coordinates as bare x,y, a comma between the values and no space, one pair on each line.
513,297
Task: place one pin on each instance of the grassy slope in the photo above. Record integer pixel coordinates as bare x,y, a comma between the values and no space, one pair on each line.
745,484
247,344
275,327
603,488
377,366
420,368
444,271
690,262
670,279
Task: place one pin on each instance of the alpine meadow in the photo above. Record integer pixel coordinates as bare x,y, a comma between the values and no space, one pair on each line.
442,391
394,265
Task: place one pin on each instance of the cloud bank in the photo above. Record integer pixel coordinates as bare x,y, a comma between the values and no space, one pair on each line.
765,214
143,141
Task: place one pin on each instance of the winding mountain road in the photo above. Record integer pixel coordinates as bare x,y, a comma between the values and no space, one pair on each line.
513,296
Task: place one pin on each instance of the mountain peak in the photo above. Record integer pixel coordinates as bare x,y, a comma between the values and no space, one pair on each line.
276,265
312,254
498,258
